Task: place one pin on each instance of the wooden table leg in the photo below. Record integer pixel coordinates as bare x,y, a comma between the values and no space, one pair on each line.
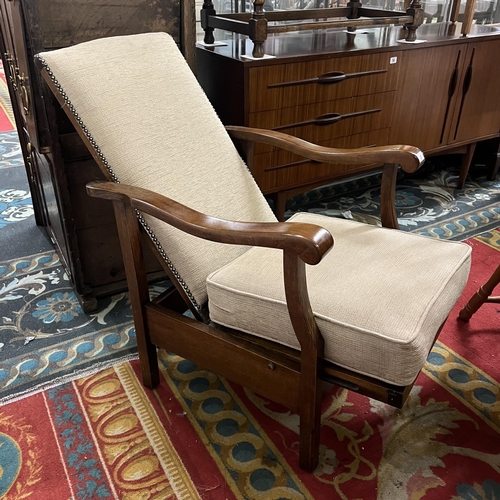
493,160
279,203
470,10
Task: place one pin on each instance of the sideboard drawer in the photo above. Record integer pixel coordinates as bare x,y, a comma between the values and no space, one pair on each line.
321,122
289,85
273,170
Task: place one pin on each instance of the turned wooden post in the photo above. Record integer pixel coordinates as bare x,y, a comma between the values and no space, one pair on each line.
417,12
481,296
455,10
470,9
206,11
353,14
354,6
258,28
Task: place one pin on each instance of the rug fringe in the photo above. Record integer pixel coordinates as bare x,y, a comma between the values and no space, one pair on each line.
66,378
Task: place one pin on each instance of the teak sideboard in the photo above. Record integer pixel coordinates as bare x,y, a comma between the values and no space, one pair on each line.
347,91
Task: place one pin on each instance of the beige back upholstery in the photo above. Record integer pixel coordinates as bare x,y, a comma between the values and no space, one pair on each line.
155,128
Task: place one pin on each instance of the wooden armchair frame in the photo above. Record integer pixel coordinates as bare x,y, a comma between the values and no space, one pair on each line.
287,376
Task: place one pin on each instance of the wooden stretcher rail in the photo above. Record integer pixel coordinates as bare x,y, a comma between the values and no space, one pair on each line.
258,24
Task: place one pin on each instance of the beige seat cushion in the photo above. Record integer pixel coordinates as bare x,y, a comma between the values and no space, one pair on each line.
379,296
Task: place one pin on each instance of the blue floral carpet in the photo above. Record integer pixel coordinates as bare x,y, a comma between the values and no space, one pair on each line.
46,338
427,203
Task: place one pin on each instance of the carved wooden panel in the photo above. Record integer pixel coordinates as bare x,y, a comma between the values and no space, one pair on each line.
67,22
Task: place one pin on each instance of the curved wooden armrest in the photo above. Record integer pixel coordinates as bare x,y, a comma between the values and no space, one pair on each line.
409,157
310,242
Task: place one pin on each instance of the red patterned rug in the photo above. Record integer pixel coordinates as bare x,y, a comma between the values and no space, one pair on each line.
7,121
198,436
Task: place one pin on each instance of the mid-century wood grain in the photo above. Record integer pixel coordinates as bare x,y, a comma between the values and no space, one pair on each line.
478,94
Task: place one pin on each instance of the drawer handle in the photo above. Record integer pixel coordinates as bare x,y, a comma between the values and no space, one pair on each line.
25,97
451,92
327,119
328,78
465,89
9,59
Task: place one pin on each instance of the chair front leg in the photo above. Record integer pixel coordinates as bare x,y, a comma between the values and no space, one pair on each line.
312,352
130,243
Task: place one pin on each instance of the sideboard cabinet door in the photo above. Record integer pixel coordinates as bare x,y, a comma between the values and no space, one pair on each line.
448,95
427,92
477,111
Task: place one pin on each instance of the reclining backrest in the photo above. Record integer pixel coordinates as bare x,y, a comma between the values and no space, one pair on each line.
153,127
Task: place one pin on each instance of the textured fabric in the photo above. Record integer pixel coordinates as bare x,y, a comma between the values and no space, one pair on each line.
379,296
156,128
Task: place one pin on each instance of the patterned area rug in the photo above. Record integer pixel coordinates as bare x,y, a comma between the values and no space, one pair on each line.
197,436
427,202
44,334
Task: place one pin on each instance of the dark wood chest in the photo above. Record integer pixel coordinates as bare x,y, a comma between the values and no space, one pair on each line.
58,164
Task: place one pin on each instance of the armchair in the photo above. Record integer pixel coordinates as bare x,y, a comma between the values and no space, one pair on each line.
273,306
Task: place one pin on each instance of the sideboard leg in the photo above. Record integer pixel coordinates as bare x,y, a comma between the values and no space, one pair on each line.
466,161
493,160
279,204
